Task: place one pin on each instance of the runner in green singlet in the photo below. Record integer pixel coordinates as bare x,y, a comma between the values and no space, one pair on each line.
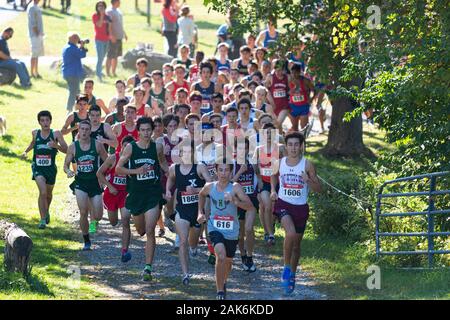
86,152
45,144
144,160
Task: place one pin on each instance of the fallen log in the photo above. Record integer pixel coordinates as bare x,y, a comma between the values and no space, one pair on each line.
18,246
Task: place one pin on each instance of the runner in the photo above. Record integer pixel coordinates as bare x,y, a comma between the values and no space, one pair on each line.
142,108
295,177
223,63
179,82
86,152
45,144
217,107
247,176
141,72
74,118
145,159
181,111
194,72
167,72
118,114
126,128
188,178
242,63
245,120
267,156
261,102
114,197
223,228
120,94
205,86
196,103
100,131
158,92
269,37
300,89
183,59
89,91
277,84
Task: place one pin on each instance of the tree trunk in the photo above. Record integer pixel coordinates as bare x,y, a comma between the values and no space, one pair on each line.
345,138
18,247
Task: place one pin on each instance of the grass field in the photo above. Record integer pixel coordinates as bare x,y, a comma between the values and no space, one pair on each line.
338,266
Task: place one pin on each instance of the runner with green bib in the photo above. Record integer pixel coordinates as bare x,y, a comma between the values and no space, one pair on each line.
86,152
144,160
45,144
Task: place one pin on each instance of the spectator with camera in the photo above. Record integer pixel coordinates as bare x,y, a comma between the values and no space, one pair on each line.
71,68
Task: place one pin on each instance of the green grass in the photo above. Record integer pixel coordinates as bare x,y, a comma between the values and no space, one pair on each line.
56,26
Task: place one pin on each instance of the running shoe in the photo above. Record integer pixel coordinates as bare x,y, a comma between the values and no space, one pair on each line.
93,226
161,233
285,277
212,259
47,218
87,246
42,224
169,224
220,295
271,240
147,274
290,287
244,262
193,252
126,256
250,265
186,279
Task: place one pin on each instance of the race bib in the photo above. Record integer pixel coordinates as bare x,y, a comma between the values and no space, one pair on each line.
187,198
292,190
267,172
85,167
248,189
279,93
146,176
298,97
121,181
43,160
224,223
205,104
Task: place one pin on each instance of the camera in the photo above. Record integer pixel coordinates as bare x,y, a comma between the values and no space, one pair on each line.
85,41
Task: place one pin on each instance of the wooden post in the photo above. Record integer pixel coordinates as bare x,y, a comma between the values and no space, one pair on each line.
136,5
148,13
18,246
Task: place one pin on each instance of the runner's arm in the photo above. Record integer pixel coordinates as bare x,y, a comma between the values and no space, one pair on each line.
260,39
126,155
311,177
102,105
101,150
66,128
240,199
31,145
162,158
170,180
201,203
101,172
112,139
69,156
204,173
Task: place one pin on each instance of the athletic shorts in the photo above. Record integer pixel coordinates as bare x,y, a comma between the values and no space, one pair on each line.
266,187
49,175
91,187
230,245
298,213
241,212
277,109
37,46
114,202
114,49
188,215
297,111
142,201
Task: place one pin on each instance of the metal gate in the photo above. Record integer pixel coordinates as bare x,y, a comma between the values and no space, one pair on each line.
430,213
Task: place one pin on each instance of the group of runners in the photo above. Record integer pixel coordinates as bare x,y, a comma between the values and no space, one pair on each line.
199,145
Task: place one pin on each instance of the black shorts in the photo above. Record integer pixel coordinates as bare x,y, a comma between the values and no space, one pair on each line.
114,49
188,215
298,213
230,245
241,212
266,187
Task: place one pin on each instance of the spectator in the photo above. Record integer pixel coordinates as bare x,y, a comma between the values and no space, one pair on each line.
101,25
117,33
72,69
36,33
169,25
12,64
187,29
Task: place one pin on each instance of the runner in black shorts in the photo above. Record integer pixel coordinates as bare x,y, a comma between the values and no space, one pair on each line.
189,178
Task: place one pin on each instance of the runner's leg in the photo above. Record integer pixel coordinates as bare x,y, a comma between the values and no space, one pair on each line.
96,207
126,231
220,253
182,228
194,235
250,231
42,199
49,196
113,217
82,201
151,218
289,239
296,250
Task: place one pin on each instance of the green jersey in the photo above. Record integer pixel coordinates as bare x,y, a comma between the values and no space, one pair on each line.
140,157
44,157
87,161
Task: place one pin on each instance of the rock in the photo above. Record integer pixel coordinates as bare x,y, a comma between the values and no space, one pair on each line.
7,76
155,59
56,65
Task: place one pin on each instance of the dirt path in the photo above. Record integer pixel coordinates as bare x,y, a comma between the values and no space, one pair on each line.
119,280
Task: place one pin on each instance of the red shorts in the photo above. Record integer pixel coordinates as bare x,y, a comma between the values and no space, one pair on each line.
112,202
298,213
278,109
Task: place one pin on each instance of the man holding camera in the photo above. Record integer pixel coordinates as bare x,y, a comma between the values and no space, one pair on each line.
71,68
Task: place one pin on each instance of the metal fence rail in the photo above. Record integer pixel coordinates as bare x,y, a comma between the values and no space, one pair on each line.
430,213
